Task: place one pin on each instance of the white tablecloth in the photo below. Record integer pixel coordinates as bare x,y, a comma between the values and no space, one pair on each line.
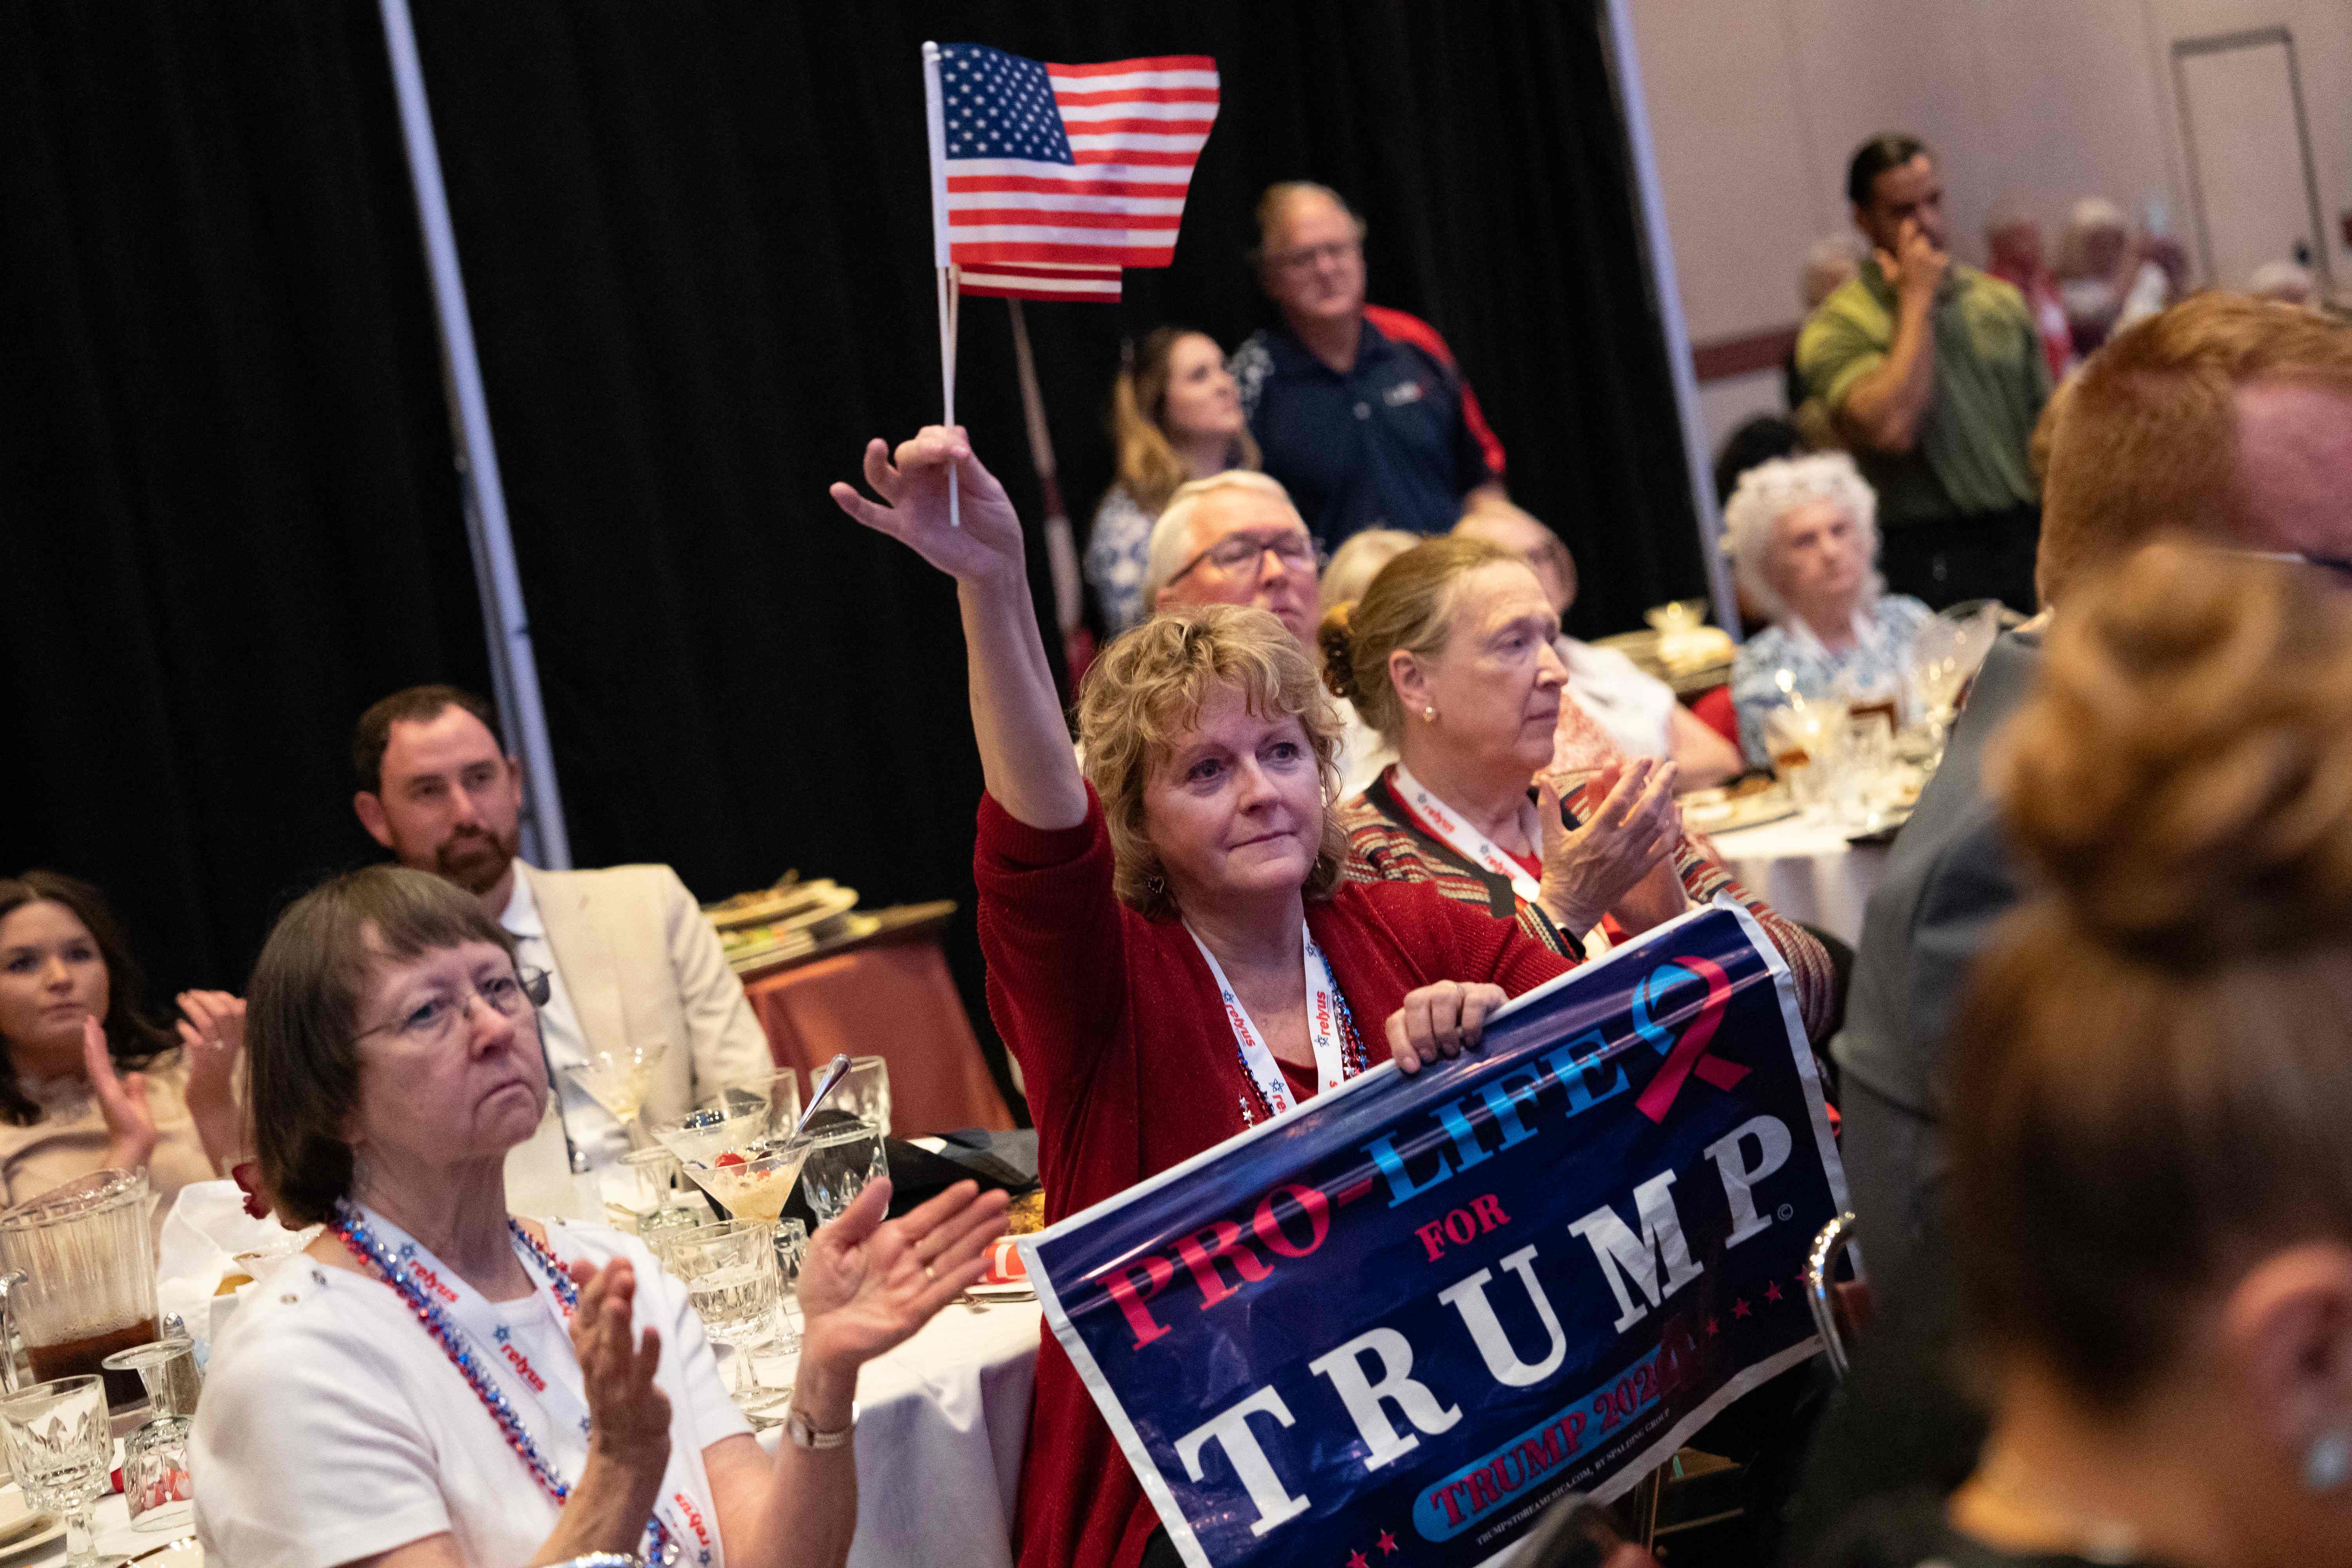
1806,871
941,1424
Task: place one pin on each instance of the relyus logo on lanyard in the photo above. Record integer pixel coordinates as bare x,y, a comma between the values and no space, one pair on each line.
1326,1028
1467,841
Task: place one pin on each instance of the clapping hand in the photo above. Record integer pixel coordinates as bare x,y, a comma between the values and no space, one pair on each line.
122,1100
627,1411
869,1284
914,481
212,1030
1588,869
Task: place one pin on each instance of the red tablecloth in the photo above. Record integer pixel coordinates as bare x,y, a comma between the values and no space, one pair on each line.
894,1001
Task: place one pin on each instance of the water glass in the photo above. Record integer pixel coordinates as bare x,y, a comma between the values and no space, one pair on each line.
791,1253
62,1452
730,1274
865,1092
155,1483
843,1158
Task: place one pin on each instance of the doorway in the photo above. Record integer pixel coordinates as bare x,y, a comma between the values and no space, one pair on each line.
2253,184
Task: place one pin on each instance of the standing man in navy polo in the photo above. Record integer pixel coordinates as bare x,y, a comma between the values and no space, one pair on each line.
1360,411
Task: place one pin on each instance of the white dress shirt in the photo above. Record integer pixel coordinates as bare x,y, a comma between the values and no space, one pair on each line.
597,1139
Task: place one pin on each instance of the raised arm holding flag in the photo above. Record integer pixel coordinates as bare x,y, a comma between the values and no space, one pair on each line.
1048,179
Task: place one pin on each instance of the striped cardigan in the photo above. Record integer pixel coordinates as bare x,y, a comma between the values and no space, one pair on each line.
1385,845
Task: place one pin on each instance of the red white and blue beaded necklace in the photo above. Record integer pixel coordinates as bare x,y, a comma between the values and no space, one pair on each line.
379,1260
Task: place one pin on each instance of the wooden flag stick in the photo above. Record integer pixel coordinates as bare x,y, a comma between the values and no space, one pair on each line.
947,305
935,124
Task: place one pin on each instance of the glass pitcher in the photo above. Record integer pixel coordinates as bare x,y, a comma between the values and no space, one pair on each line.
78,1279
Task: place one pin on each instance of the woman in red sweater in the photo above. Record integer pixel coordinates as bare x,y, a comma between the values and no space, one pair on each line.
1174,953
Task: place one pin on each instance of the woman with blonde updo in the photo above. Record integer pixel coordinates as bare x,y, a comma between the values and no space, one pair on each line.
1449,655
2151,1198
1174,949
1175,416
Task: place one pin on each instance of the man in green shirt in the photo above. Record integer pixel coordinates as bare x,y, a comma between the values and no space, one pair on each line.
1934,375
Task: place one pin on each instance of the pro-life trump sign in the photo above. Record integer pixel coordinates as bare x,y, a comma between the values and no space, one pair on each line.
1386,1327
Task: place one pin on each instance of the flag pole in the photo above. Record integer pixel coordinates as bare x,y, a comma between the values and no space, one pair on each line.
1061,545
942,261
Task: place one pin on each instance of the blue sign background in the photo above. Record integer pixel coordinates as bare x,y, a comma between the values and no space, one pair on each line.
1218,1283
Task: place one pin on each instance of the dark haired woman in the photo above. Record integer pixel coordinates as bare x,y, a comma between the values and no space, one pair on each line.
440,1383
87,1083
1175,414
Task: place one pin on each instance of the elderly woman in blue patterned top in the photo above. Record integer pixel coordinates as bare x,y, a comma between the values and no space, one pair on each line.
1803,535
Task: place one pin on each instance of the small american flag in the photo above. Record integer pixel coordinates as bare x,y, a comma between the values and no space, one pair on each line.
1049,179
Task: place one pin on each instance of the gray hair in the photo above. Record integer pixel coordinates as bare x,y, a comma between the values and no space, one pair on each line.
2091,216
1767,492
1356,562
1171,535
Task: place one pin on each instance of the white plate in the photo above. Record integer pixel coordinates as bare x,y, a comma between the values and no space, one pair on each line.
1006,1292
16,1517
54,1531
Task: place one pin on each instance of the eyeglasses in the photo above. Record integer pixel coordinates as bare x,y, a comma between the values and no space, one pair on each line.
433,1020
1237,551
1307,255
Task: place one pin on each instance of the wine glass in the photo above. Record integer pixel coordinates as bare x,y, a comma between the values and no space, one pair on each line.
619,1080
62,1452
730,1276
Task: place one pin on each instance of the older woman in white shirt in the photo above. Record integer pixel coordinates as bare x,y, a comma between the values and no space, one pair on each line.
440,1383
1803,535
1638,712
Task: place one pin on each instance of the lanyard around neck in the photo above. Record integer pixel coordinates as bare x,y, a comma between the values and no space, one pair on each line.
1326,1014
1446,824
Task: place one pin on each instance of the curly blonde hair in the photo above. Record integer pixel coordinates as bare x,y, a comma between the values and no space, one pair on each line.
2149,1072
1144,694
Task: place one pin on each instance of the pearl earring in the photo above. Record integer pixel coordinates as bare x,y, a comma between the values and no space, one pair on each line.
1430,714
2327,1463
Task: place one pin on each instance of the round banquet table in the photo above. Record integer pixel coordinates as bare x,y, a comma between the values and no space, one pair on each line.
1807,871
943,1418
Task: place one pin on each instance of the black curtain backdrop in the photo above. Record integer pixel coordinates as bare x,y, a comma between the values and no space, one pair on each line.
695,238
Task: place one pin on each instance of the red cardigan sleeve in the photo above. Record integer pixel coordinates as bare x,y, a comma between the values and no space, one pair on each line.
1054,934
1467,944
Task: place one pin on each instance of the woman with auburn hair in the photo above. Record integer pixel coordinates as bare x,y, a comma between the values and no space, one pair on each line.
86,1081
1174,950
2151,1190
1175,415
1449,655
